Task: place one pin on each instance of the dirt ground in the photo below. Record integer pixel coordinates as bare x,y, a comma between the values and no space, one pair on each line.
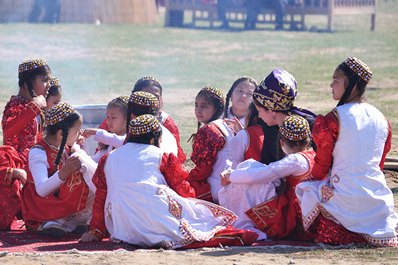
222,256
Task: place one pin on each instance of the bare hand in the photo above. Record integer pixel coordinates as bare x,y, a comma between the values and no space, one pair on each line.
88,237
72,164
40,101
234,124
20,174
225,177
89,132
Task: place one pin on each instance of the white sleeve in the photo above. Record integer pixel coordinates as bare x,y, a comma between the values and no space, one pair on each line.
38,166
109,138
253,173
240,143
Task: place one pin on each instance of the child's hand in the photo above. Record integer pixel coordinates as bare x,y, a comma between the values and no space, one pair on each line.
72,164
88,237
20,174
89,132
40,101
234,124
225,177
102,146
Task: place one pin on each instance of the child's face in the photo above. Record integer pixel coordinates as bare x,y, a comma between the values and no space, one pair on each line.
41,85
53,100
338,84
116,120
74,132
242,96
204,110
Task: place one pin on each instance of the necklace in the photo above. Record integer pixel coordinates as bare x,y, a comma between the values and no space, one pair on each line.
50,145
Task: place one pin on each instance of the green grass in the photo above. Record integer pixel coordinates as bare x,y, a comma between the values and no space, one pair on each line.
98,63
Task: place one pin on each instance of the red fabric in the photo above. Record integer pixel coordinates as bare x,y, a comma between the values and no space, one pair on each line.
10,190
208,141
324,133
70,198
21,129
99,180
256,140
227,237
387,147
280,217
176,176
104,125
172,127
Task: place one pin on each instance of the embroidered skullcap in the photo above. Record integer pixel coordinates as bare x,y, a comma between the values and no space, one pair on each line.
54,82
358,67
295,128
144,99
143,124
30,65
147,78
58,113
125,99
213,92
277,91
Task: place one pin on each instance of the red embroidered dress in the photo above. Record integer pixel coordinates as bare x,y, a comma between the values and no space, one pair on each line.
10,205
70,198
169,123
280,217
21,125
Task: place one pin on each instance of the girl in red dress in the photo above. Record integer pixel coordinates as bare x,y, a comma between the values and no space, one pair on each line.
250,189
55,198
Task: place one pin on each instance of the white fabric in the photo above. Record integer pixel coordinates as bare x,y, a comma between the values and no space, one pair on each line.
223,160
242,120
253,183
358,195
139,204
108,138
240,144
168,144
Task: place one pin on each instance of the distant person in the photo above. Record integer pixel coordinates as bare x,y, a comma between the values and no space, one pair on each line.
348,200
47,11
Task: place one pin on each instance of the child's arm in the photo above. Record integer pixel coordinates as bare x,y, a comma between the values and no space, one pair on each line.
105,137
253,172
38,166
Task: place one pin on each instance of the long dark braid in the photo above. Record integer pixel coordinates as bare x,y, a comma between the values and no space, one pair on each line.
65,131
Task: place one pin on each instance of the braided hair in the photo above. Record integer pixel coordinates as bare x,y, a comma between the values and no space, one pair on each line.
231,90
64,126
353,80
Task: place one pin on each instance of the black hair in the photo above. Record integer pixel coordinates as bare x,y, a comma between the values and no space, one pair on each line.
353,80
143,83
64,125
27,77
138,110
231,90
119,103
297,145
146,138
54,90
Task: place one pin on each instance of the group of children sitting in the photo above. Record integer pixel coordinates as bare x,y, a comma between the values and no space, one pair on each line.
264,168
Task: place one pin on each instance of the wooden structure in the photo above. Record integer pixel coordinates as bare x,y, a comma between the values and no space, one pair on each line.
294,14
86,11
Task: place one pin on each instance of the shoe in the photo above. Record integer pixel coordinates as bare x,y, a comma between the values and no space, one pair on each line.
52,229
81,229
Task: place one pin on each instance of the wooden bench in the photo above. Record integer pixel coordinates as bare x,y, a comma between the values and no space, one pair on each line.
294,14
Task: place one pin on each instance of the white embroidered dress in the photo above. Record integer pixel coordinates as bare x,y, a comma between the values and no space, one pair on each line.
355,193
142,210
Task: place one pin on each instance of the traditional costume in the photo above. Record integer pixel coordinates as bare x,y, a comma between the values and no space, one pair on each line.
136,205
252,192
353,204
67,203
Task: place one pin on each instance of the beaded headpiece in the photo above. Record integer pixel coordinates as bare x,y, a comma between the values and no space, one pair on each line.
295,128
125,99
54,82
147,78
213,91
31,65
359,68
143,124
277,91
144,99
58,113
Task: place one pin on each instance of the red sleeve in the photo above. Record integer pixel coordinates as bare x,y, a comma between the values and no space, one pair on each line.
16,118
99,180
175,176
208,141
325,133
172,127
9,159
104,125
387,147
